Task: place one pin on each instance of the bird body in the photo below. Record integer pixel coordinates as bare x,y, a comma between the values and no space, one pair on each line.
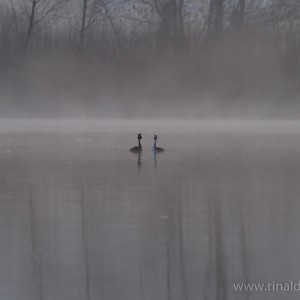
155,148
139,147
136,149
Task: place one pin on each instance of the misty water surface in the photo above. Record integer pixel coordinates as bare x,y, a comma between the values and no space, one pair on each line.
83,218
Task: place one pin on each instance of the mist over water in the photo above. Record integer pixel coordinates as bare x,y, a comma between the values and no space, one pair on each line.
83,218
133,59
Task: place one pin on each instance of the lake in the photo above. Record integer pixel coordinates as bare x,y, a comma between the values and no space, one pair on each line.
83,218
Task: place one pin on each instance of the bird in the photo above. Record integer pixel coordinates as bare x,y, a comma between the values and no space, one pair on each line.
139,147
156,149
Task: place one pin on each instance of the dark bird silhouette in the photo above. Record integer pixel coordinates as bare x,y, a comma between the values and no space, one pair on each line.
154,148
139,147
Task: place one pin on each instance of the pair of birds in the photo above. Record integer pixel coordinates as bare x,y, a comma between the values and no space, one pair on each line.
139,147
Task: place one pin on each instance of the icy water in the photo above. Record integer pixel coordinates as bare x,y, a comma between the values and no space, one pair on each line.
82,218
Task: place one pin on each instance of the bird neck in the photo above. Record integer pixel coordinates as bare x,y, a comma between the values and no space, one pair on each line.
154,145
140,145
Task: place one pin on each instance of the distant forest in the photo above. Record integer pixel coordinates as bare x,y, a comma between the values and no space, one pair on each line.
150,58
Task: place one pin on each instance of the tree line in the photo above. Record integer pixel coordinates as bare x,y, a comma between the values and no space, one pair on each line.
236,46
175,25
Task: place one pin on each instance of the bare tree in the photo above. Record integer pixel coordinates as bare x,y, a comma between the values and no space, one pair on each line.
169,15
83,22
241,11
91,12
11,31
109,16
215,18
237,14
94,13
39,14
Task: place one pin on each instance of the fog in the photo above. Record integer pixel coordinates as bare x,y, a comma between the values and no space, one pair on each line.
215,83
224,59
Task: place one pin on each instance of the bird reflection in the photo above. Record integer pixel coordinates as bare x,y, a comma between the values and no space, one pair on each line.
139,159
154,158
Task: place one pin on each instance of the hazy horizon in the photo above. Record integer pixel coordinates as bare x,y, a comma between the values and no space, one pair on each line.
232,59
